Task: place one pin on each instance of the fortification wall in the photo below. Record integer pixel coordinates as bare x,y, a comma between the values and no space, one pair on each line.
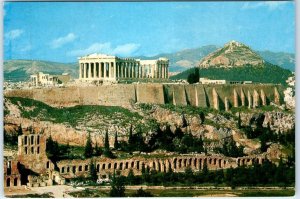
215,96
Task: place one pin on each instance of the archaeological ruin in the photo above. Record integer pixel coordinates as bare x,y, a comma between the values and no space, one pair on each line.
32,155
101,67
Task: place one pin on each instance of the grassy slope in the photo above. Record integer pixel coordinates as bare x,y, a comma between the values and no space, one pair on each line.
269,73
71,115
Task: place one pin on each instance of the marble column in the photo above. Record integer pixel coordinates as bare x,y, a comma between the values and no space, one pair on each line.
94,70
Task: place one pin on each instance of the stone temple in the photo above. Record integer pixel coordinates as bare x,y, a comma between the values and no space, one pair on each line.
112,68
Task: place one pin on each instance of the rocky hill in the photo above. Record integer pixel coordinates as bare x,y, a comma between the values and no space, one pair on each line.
238,62
233,54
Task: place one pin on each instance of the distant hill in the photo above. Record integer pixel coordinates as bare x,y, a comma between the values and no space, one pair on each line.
233,54
285,60
188,58
20,70
237,62
184,59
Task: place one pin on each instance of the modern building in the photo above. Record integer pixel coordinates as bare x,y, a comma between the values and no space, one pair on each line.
42,79
112,68
212,81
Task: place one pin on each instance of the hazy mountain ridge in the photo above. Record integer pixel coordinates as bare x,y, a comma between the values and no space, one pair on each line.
20,70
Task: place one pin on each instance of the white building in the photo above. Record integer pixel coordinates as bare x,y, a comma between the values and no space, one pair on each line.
42,79
111,68
212,81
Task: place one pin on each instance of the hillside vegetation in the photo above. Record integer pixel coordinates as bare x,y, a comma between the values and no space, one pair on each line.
267,73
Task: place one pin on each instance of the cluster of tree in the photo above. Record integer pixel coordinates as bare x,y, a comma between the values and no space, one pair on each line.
193,76
90,151
257,175
12,138
230,149
165,140
265,135
267,73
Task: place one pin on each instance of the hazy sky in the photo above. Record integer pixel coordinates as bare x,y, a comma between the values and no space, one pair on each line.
61,31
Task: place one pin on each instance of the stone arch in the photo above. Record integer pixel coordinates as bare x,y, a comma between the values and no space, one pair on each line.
38,150
179,163
195,163
215,161
16,182
224,163
8,182
132,164
184,162
190,162
103,166
158,166
37,139
137,163
109,166
98,167
126,165
243,161
153,165
25,149
200,163
220,163
86,167
68,169
121,165
32,140
25,140
47,164
209,160
32,150
80,168
115,165
62,169
175,163
74,169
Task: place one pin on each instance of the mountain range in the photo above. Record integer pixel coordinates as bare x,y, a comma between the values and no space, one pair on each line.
19,70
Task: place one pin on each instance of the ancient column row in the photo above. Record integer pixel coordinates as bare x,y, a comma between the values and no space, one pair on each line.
122,70
97,70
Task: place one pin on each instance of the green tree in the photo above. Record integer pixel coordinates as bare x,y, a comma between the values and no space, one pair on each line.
88,150
106,141
194,76
184,122
20,131
202,117
130,177
117,187
93,172
98,150
116,144
141,193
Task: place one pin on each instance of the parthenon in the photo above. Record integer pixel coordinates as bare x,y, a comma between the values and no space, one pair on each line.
111,68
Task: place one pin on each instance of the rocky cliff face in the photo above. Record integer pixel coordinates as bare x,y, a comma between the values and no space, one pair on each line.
233,54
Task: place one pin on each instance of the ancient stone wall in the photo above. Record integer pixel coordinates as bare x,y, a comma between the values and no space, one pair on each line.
106,167
32,153
251,96
12,177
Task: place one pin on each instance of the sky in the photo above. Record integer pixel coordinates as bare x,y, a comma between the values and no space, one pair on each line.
64,31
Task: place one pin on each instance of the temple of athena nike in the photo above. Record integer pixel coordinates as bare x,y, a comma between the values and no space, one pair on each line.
112,68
